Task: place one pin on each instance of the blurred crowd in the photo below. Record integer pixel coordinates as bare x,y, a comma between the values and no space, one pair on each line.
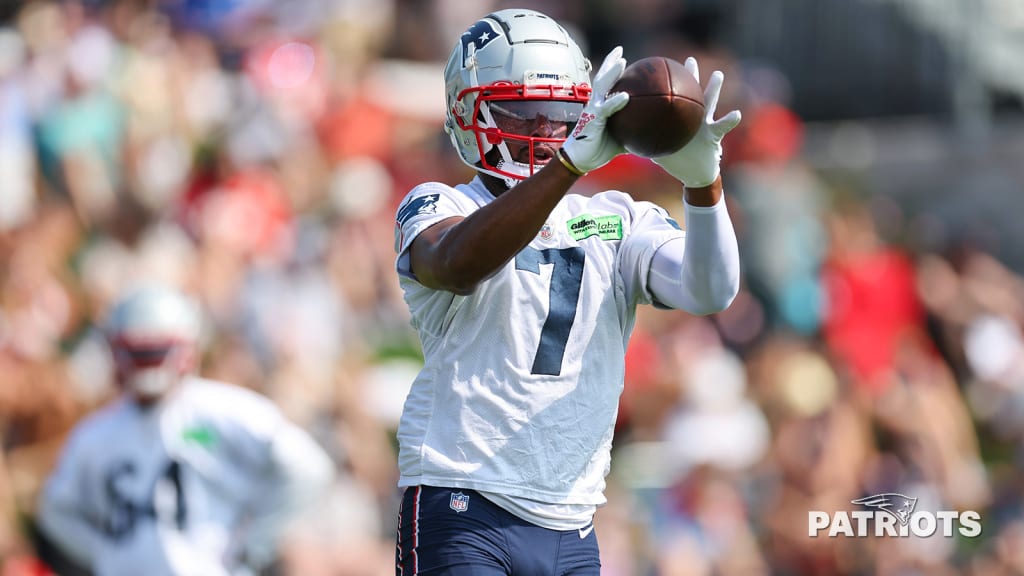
253,152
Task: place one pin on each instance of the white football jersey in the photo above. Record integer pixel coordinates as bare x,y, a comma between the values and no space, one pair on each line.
520,388
170,490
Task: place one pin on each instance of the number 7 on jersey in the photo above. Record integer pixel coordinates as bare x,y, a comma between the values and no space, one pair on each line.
563,298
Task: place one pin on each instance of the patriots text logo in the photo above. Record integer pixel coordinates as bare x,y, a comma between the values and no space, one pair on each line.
892,515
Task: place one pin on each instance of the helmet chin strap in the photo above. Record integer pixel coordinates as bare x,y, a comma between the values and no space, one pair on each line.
513,167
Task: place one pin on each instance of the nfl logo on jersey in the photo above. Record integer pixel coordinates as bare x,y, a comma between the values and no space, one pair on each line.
546,232
460,502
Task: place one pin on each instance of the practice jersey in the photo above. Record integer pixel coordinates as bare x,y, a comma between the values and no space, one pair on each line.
169,490
519,391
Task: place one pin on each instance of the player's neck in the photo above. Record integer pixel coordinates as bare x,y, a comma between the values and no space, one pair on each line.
151,402
496,186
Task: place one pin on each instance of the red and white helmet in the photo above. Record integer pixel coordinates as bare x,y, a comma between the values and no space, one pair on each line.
519,63
153,333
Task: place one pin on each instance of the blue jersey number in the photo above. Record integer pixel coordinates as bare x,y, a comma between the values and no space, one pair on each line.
563,298
125,513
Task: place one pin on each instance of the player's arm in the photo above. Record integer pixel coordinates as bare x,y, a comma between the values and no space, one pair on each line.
458,253
61,515
297,473
701,272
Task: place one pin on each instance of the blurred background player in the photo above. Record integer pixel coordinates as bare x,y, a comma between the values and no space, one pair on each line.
525,296
181,475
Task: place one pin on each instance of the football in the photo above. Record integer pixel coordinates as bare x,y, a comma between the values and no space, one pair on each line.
665,109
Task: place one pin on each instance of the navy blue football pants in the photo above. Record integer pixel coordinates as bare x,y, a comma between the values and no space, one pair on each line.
458,532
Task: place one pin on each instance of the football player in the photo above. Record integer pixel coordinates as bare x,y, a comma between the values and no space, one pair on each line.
181,475
524,296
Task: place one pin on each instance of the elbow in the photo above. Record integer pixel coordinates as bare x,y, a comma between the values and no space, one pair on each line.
459,278
718,294
449,281
721,302
709,308
459,286
462,289
54,525
725,294
313,485
324,474
728,290
50,515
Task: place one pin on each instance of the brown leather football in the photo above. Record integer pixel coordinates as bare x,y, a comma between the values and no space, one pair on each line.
665,109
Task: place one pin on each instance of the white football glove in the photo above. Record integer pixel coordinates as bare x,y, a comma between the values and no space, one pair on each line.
590,147
696,164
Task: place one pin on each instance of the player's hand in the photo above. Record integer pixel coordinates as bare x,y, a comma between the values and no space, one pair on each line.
590,147
696,164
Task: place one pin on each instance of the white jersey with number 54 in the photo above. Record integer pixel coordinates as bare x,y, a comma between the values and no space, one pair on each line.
197,485
519,391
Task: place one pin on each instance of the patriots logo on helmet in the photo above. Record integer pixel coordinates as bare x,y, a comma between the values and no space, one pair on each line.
480,34
897,505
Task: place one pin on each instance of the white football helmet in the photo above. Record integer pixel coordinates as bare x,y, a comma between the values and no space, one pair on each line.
519,64
153,333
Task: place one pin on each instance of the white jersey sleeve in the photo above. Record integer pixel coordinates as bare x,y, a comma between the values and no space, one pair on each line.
424,206
278,468
299,475
699,274
68,520
653,227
